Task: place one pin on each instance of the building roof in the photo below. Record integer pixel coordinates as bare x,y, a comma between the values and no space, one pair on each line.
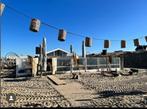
141,47
57,50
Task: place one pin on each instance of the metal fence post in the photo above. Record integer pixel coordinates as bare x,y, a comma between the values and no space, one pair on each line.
98,63
85,62
71,65
121,62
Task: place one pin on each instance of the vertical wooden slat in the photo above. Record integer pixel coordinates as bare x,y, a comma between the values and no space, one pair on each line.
71,50
83,49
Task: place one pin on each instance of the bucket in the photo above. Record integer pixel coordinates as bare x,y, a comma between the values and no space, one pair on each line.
35,25
2,6
88,42
62,35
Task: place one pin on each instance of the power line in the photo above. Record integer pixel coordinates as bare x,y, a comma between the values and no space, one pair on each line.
18,12
76,34
56,28
50,26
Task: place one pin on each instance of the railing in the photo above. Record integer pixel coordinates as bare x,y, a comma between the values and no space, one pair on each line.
64,64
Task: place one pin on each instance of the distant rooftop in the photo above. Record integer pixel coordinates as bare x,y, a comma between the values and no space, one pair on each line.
57,50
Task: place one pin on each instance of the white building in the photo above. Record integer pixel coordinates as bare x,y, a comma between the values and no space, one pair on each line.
58,53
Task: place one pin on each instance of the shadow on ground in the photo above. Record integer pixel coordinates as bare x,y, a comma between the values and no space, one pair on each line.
16,79
110,93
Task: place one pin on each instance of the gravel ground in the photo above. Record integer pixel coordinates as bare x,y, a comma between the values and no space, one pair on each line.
121,91
36,92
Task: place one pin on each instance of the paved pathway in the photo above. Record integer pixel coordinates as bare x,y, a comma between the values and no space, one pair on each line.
76,94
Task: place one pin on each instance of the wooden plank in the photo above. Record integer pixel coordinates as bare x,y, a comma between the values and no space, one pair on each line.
56,80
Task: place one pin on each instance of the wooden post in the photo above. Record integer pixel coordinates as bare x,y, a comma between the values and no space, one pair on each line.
84,55
122,62
40,60
71,64
71,59
54,65
34,66
107,63
71,50
85,64
98,63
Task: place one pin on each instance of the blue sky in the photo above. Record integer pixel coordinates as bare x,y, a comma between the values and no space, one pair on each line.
103,19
